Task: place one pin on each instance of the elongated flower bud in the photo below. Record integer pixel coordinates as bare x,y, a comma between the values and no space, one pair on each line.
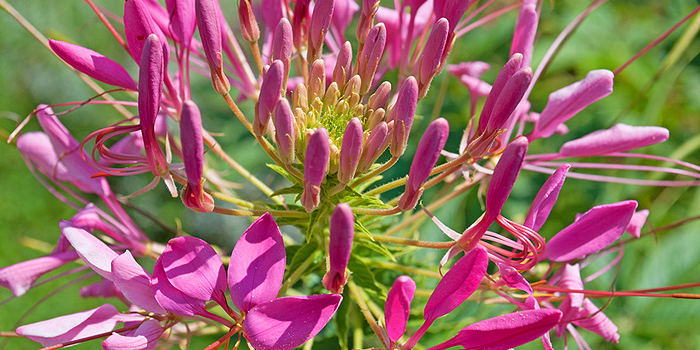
343,65
504,175
380,97
369,9
318,27
342,231
372,53
315,165
138,25
193,156
270,91
249,26
427,154
282,45
509,99
402,113
350,150
431,57
210,32
317,80
150,90
512,66
93,64
182,20
285,136
373,148
525,31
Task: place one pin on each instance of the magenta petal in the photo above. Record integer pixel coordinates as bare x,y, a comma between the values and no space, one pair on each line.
566,102
593,231
145,337
94,252
398,306
457,284
134,282
71,327
504,332
172,299
504,175
257,264
288,322
93,64
619,138
19,277
514,279
545,199
36,147
192,266
570,307
598,323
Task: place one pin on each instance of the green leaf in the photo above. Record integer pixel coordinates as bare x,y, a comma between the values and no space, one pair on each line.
294,189
282,171
301,253
364,277
359,200
377,247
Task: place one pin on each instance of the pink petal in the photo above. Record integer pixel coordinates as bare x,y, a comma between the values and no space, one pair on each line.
182,19
257,264
172,299
638,219
102,289
566,102
545,199
71,327
593,231
398,306
19,277
93,64
598,323
193,267
619,138
134,282
504,332
570,307
288,322
94,252
138,25
145,337
457,284
36,147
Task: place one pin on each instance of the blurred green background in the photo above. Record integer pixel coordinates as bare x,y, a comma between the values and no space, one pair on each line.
644,95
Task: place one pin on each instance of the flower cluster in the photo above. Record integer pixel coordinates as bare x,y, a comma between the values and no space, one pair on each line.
334,116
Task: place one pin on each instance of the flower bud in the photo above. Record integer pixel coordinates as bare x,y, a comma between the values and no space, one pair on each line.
138,25
182,19
270,91
380,97
369,9
402,113
375,118
525,31
300,98
210,32
315,165
508,100
350,150
93,64
426,156
430,59
343,65
373,148
318,27
193,156
512,66
282,45
285,135
249,26
332,95
398,307
150,90
317,80
372,53
342,231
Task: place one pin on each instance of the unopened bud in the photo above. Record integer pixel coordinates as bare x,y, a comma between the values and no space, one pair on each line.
270,91
509,99
317,80
343,65
332,95
369,9
380,97
300,98
282,45
512,66
318,27
373,147
315,165
372,53
431,57
249,26
150,90
194,196
350,150
210,32
342,232
426,156
375,118
402,113
285,135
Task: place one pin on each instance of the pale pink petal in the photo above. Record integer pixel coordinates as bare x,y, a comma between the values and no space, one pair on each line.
545,199
571,305
288,322
36,147
598,323
619,138
514,279
504,332
172,299
19,277
93,64
257,264
134,282
398,306
94,252
637,222
457,284
145,337
566,102
71,327
102,289
593,231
